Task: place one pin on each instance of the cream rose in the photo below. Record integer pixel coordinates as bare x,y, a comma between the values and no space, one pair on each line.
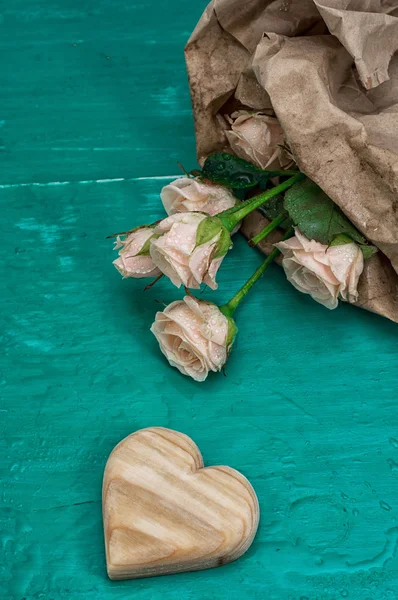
190,248
134,258
256,137
194,336
188,195
326,273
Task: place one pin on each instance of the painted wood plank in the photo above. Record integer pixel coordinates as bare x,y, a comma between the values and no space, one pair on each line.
307,410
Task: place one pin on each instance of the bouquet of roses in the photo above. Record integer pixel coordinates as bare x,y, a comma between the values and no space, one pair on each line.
322,252
296,138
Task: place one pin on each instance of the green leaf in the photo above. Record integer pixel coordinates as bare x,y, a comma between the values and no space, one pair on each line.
316,215
236,173
369,251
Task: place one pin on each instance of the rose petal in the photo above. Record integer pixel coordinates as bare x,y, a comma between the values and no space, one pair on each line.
136,266
161,260
217,355
321,291
346,262
210,278
341,259
186,218
200,259
214,324
306,259
355,273
172,193
289,245
189,323
309,245
135,241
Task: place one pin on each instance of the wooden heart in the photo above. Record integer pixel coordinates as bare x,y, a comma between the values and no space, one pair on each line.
165,513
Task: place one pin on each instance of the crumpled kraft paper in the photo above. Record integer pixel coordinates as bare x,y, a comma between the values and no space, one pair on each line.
328,70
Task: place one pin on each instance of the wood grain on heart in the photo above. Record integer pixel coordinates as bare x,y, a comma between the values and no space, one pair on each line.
165,513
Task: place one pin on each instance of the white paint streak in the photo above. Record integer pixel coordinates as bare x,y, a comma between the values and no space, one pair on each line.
6,186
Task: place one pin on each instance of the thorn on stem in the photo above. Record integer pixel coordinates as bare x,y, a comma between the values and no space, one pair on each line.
161,302
108,237
147,287
183,169
188,292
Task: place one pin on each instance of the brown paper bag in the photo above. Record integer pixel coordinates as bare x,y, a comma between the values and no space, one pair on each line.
327,69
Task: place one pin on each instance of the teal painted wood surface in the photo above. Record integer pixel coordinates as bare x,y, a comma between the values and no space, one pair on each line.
95,91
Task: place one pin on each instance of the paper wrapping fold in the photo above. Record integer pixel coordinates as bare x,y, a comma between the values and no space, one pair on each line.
279,53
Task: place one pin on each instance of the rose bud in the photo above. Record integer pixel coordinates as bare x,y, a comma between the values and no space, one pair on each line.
134,257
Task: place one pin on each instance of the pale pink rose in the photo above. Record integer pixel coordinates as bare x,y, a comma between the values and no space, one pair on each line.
194,336
256,137
130,262
188,195
326,273
178,255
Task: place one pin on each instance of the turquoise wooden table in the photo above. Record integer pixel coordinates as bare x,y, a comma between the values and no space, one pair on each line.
94,109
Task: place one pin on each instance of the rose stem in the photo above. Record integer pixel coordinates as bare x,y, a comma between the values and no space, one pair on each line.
230,221
267,230
229,308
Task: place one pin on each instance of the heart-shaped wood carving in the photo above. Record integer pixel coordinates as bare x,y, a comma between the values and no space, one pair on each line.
165,513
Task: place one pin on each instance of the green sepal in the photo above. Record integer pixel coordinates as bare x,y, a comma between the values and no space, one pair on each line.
316,215
232,332
224,243
208,229
232,327
341,240
145,248
366,250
